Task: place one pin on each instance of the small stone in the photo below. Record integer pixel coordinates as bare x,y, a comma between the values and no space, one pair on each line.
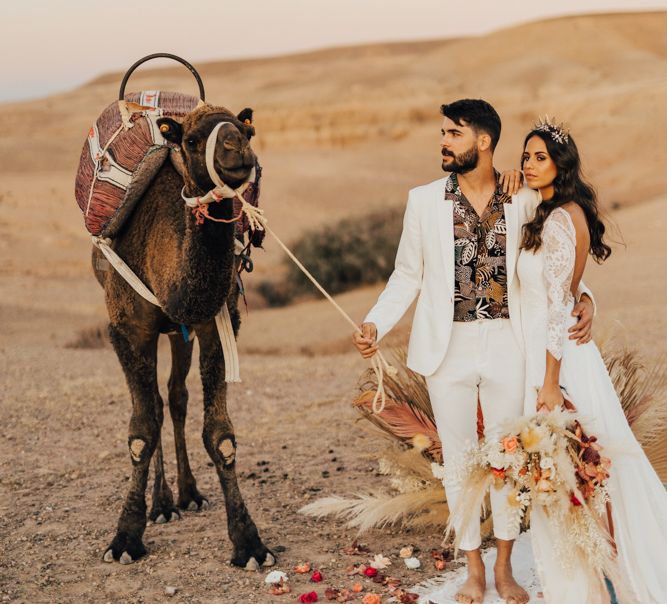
170,590
276,576
412,563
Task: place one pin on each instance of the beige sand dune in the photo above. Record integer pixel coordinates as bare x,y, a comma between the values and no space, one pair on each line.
340,132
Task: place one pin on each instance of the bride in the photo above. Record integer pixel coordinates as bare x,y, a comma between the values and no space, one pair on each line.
555,246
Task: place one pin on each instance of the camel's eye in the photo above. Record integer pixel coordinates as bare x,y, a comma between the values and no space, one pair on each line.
191,143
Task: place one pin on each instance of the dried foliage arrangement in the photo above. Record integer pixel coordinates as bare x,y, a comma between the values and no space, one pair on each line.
413,458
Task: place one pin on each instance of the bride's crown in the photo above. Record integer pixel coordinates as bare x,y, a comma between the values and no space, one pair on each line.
558,132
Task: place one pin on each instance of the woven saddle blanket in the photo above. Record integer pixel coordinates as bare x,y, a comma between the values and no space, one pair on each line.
123,153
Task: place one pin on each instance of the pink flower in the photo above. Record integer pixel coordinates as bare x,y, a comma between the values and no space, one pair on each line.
510,443
309,597
371,572
316,577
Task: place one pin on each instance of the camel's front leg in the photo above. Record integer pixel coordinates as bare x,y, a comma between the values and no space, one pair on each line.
137,352
220,442
189,497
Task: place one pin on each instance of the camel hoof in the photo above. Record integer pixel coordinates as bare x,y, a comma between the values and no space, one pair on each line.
163,513
270,560
252,564
125,558
108,556
192,506
204,505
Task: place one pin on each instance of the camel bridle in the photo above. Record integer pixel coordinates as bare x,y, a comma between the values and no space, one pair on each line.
221,190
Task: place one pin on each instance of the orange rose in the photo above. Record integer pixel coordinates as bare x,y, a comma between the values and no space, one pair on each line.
498,472
371,599
510,443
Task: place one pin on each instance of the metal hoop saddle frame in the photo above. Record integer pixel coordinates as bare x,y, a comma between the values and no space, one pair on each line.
162,55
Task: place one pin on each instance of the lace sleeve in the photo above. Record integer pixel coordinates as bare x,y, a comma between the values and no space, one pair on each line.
559,241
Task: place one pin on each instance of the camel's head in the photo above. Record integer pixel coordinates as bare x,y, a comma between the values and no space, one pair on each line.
233,159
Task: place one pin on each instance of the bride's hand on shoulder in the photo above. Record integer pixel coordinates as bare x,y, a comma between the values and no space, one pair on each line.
511,181
549,397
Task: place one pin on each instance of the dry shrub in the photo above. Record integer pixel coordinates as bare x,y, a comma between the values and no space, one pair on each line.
353,252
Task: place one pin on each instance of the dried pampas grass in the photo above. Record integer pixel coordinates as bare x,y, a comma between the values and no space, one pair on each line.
418,497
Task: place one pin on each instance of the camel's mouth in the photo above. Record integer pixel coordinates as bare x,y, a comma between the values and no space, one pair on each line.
235,177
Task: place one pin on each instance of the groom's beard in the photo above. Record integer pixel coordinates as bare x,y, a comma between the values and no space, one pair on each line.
461,164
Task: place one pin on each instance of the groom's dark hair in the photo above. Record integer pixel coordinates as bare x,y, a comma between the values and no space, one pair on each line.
476,114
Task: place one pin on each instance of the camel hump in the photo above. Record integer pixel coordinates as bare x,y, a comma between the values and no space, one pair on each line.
122,154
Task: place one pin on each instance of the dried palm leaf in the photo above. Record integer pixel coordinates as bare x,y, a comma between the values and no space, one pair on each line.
369,511
640,389
657,455
403,421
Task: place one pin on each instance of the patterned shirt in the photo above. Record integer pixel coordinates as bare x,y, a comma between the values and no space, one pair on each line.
480,268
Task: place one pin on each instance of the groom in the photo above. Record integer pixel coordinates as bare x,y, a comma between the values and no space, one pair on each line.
457,253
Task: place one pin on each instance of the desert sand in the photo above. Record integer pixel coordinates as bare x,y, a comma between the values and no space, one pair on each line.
340,132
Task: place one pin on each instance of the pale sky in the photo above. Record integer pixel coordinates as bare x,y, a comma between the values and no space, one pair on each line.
49,46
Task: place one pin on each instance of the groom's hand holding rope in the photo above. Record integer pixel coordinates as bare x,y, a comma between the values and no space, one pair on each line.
366,341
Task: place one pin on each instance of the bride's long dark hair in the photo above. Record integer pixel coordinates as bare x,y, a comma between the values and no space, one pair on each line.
569,185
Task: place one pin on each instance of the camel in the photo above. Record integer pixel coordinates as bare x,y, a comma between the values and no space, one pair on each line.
190,268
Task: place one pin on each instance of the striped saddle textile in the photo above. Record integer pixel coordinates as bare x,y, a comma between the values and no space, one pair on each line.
123,153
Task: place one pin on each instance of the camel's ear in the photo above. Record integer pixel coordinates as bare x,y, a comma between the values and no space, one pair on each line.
246,114
170,130
245,117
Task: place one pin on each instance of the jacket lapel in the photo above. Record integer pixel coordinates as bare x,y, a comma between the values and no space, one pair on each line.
512,222
445,212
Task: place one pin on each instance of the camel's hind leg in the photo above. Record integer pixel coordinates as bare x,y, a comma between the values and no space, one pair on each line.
220,442
189,498
137,351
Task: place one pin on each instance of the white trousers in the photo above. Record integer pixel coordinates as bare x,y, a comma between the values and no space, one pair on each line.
482,359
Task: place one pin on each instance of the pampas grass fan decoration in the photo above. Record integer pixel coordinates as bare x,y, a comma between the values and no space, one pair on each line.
416,496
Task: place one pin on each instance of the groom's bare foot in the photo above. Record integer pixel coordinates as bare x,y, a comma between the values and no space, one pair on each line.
472,591
506,586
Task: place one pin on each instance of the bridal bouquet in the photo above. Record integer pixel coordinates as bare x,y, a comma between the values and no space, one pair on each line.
549,461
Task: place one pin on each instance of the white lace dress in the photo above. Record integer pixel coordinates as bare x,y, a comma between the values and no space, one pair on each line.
639,499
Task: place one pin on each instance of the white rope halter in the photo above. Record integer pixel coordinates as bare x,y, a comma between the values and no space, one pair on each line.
221,190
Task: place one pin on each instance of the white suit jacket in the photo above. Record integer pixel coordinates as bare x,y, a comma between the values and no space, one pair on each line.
425,267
